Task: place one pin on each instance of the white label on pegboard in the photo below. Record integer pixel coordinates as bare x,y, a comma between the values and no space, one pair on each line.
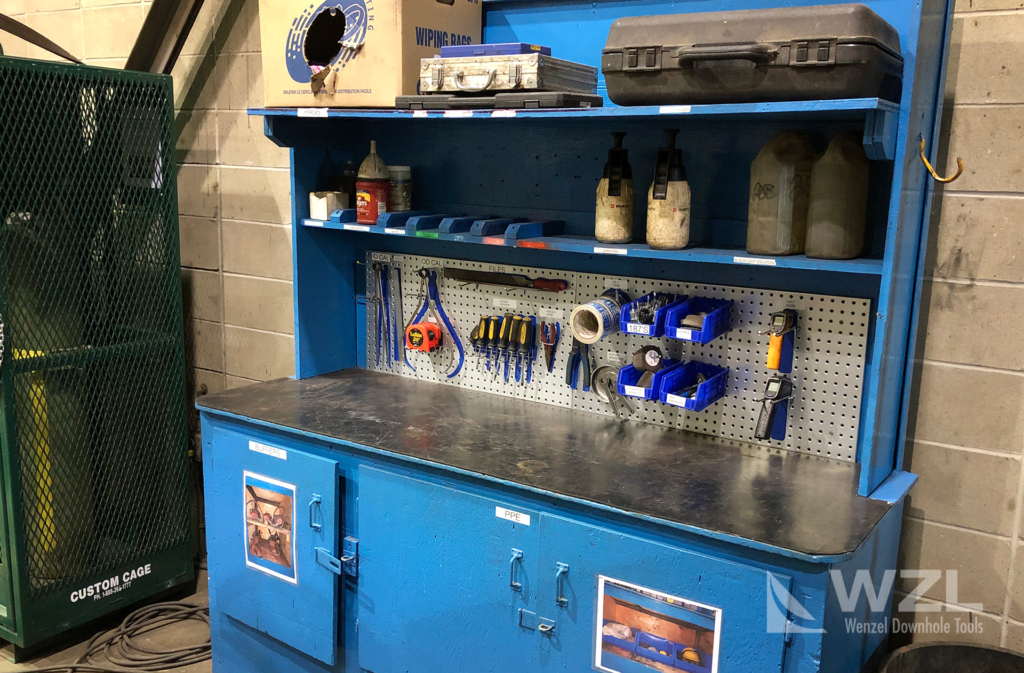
312,112
617,283
380,257
610,251
756,261
505,302
551,313
634,391
356,227
616,358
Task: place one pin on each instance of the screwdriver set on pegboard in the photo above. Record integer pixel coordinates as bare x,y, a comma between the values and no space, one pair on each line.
776,368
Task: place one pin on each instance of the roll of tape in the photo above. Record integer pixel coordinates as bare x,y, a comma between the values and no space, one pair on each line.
595,320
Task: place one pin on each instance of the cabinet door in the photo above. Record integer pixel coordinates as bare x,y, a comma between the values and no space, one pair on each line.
269,508
644,582
435,579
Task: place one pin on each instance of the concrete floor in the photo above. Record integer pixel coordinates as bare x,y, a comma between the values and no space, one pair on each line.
177,635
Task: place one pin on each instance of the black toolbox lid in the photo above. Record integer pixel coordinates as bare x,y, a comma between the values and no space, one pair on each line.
848,24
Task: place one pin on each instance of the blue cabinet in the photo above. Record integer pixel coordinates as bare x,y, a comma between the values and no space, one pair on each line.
271,569
443,579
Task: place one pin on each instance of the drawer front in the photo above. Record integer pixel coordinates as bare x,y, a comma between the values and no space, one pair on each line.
269,509
435,576
644,581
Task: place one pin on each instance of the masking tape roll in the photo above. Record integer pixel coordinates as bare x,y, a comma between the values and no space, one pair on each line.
595,320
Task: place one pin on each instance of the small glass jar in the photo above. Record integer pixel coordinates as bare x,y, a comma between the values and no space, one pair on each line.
401,188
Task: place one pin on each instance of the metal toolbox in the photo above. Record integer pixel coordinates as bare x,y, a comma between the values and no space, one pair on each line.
514,72
526,100
786,53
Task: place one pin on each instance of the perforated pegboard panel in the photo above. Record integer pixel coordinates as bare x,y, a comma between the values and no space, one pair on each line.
828,359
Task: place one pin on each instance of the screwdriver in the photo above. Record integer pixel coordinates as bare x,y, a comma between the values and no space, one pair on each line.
530,327
503,338
522,349
517,322
479,339
493,332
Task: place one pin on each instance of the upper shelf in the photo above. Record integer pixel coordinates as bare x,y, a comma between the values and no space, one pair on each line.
880,117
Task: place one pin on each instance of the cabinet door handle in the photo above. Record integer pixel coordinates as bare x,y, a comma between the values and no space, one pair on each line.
563,570
313,523
517,555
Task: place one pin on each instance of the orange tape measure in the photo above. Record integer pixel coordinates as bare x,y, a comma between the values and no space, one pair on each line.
423,336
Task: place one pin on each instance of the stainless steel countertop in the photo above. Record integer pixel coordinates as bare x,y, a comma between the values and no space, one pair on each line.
798,504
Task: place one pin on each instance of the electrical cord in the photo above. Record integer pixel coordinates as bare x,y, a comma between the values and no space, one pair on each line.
123,653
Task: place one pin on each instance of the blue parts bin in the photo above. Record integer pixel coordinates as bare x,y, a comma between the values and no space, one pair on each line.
682,664
398,220
658,649
344,216
681,378
497,49
628,320
520,230
715,323
492,227
621,643
629,376
459,225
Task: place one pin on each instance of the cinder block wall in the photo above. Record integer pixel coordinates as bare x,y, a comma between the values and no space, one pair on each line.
967,430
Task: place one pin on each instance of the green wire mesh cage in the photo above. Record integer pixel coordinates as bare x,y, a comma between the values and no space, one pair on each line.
93,410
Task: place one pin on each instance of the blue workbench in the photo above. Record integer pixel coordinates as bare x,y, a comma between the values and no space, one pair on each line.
413,526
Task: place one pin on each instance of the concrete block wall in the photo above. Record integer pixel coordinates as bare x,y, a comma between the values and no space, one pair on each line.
967,428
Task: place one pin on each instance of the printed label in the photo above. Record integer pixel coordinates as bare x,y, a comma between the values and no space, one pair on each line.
420,113
617,283
314,112
677,400
458,113
272,451
380,257
637,328
684,334
503,113
505,302
394,231
609,251
674,109
551,313
313,223
616,358
635,391
512,515
356,227
112,585
756,261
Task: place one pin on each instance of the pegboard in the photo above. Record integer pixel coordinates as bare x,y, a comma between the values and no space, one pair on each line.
828,358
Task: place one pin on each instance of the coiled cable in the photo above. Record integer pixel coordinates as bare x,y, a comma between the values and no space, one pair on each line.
122,651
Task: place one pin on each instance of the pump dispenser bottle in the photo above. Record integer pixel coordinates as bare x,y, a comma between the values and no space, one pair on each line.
616,197
668,199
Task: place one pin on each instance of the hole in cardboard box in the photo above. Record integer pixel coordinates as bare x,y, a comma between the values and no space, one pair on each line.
323,39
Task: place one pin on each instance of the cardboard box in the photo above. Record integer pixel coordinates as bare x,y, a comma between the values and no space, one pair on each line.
356,53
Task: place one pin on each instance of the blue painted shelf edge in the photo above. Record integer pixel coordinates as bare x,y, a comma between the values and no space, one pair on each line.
579,244
779,107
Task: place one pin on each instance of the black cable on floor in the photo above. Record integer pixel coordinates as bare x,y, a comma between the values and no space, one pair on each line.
121,652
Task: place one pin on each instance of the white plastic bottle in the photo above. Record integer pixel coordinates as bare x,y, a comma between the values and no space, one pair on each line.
780,183
616,197
838,209
668,200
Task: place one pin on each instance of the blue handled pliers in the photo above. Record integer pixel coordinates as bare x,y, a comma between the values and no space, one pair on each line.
432,301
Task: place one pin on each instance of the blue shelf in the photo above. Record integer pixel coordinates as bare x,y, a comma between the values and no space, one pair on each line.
580,244
841,108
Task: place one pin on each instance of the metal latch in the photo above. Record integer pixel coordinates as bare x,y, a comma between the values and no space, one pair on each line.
643,58
349,561
816,51
515,74
530,620
437,77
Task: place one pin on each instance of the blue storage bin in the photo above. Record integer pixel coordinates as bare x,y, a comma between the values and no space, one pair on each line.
630,375
683,665
716,322
645,640
628,645
683,377
655,330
